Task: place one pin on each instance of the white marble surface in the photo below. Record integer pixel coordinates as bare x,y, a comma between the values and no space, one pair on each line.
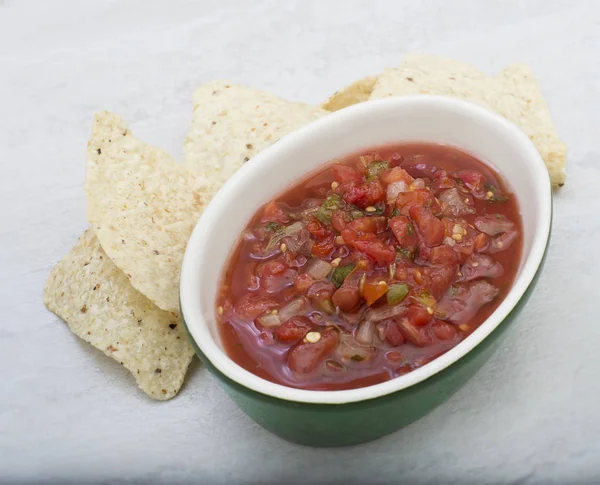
68,414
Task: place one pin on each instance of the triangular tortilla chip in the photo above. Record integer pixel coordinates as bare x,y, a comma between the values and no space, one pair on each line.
143,207
355,93
514,94
231,124
96,300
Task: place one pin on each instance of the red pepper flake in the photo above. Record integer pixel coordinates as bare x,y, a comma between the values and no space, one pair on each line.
84,308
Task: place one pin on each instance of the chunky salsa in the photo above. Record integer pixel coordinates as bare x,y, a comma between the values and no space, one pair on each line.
370,268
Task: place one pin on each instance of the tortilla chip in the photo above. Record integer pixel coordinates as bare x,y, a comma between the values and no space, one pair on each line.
355,93
231,124
514,94
142,206
95,298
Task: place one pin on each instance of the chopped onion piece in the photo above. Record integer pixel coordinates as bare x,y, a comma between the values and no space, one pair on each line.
269,320
285,231
394,189
318,269
349,351
384,312
365,332
293,308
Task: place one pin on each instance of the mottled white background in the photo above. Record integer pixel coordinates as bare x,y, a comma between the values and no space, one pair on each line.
68,414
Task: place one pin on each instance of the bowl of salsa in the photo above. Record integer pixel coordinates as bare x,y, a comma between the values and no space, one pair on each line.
348,279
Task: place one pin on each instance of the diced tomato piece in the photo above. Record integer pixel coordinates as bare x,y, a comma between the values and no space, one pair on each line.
421,170
443,330
275,275
317,229
251,306
376,249
418,315
363,195
419,197
373,290
344,173
415,335
303,282
430,227
305,357
294,329
274,213
395,174
442,181
320,293
404,231
442,255
369,224
473,180
396,159
393,334
323,248
339,219
275,266
346,297
438,279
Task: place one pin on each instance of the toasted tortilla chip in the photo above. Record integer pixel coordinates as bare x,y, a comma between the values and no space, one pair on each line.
514,94
233,123
100,306
143,207
355,93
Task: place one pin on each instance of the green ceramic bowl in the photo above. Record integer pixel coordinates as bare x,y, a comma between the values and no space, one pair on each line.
338,418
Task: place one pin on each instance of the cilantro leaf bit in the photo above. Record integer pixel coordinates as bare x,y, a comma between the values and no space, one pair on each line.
331,203
375,168
340,274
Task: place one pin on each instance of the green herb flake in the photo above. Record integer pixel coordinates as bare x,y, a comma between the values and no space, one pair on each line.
333,202
273,226
357,358
404,253
375,168
356,213
496,196
395,213
341,273
410,230
396,293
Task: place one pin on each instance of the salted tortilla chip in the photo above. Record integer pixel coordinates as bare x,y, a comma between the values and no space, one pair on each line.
100,306
355,93
514,94
143,207
231,124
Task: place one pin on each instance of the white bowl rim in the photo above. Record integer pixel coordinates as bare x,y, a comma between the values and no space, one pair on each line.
224,364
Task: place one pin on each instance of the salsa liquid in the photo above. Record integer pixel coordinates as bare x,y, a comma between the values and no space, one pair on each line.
370,268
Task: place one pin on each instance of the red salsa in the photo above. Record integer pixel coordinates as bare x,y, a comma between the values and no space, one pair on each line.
370,268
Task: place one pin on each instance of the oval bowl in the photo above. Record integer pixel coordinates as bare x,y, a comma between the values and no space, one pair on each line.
338,418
